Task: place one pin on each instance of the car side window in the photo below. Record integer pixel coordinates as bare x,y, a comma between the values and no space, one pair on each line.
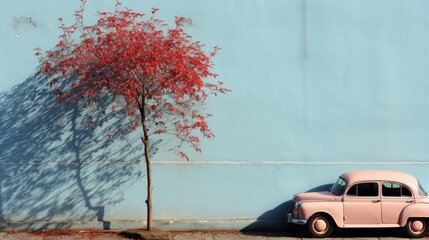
363,190
352,191
390,189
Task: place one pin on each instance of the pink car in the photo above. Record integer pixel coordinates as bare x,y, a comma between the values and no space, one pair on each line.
365,199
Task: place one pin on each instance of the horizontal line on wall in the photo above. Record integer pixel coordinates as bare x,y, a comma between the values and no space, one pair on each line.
285,163
224,162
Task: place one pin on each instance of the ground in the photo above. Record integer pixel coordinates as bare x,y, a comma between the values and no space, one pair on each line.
298,234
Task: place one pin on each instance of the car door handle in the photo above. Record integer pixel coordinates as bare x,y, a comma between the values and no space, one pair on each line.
410,201
376,201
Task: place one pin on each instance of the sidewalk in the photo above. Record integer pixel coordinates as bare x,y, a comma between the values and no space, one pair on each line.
198,235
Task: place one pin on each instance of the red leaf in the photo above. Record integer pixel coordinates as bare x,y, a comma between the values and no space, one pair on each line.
183,155
154,10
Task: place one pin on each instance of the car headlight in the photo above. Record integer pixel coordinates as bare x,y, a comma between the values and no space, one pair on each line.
297,204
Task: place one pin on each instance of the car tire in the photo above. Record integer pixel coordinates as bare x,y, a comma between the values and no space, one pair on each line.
417,227
320,226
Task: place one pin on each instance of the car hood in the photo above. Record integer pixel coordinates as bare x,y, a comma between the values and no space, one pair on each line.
315,196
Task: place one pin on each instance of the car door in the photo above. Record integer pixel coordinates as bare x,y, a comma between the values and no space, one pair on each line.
362,204
394,198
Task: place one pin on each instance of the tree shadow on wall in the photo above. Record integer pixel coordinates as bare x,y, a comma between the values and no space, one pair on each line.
54,165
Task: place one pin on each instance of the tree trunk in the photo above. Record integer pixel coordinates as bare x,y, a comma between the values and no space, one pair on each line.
145,141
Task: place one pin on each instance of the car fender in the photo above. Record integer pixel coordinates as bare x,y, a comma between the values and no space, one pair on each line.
417,210
333,209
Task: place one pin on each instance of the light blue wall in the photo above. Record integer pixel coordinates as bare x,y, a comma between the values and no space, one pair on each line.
319,87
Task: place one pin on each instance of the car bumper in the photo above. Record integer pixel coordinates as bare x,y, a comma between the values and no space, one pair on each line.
290,219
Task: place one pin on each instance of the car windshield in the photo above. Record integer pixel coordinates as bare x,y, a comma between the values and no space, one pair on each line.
422,192
338,187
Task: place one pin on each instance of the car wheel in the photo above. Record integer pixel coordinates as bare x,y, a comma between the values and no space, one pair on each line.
320,226
417,227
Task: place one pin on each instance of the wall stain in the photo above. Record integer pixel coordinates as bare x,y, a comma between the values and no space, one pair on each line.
304,27
18,23
305,85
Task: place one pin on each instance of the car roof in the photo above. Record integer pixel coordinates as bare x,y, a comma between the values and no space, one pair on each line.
380,175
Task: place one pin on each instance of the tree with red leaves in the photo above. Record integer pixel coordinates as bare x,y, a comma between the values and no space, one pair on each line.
154,74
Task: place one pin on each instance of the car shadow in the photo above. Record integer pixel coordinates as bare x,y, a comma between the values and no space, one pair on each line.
301,232
276,218
369,232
